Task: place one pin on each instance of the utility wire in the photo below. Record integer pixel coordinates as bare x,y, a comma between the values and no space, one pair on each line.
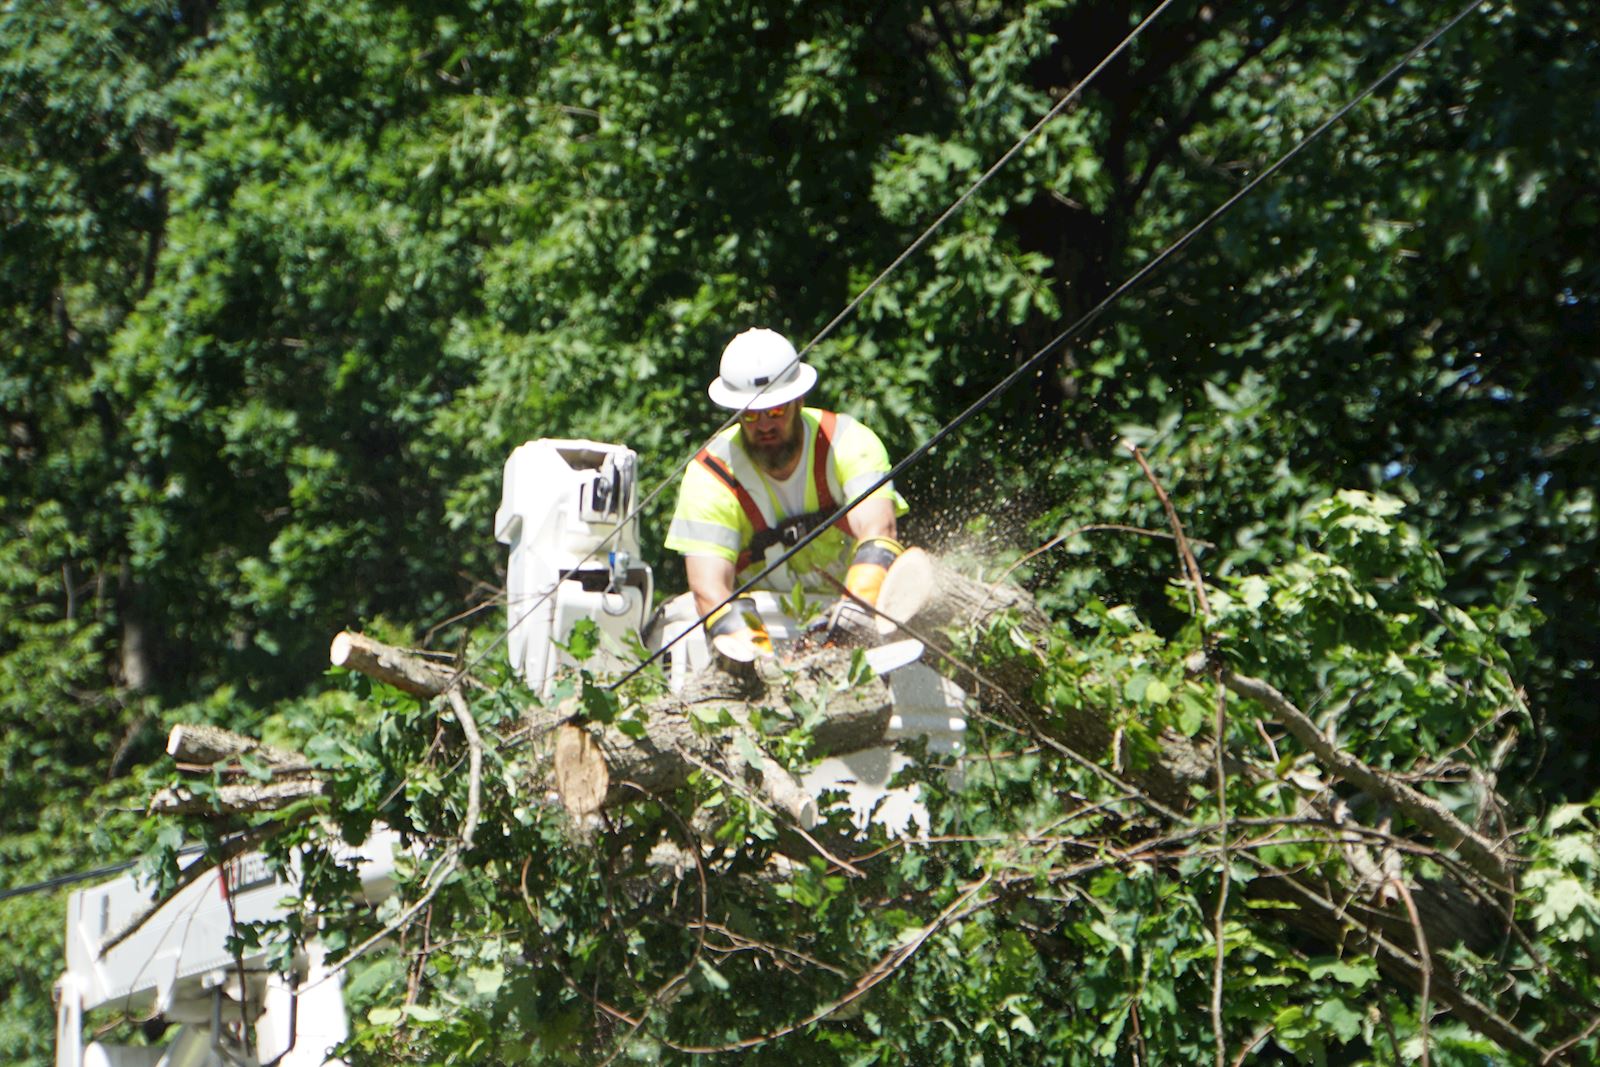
65,880
960,202
61,880
1071,331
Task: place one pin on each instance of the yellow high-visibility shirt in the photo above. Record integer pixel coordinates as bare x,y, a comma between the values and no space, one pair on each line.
712,520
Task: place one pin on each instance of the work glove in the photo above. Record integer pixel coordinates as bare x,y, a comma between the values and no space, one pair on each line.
874,556
736,631
850,620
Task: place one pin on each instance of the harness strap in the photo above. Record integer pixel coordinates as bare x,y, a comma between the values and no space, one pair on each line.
787,532
819,471
752,510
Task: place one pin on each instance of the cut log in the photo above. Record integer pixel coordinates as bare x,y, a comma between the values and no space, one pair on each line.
673,745
240,798
579,770
403,670
200,743
954,599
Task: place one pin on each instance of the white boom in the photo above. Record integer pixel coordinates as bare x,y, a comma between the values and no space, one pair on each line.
566,510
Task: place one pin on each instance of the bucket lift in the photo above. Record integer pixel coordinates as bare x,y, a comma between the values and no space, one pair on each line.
175,969
566,510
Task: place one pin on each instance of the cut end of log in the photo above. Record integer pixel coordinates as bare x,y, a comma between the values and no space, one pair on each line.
392,666
906,589
581,775
805,815
339,652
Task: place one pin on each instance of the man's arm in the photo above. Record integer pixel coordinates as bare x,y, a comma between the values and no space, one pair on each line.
710,580
873,517
711,577
737,633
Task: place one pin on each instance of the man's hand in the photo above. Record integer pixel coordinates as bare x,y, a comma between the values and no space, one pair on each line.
874,556
736,631
851,620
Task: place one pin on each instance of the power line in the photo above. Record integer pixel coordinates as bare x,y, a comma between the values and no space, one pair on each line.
61,880
961,201
1077,327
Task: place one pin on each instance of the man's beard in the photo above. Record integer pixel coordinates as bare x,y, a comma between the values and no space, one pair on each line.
774,457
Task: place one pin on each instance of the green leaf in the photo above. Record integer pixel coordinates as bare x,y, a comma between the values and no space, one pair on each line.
1340,1017
486,981
861,671
599,703
1564,815
713,977
255,768
713,715
1356,973
1194,711
583,640
1557,898
748,750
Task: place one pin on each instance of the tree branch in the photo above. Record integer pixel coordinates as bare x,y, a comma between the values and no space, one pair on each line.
1426,812
405,671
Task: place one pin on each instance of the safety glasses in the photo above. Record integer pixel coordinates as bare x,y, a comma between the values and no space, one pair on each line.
751,417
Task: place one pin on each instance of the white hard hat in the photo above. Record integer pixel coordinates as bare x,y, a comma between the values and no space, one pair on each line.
761,369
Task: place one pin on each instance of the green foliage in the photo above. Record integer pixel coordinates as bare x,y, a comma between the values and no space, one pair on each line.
1356,624
1043,919
283,283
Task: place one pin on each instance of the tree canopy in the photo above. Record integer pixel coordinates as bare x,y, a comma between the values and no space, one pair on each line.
284,283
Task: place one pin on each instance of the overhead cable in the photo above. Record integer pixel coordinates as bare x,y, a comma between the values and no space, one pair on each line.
62,880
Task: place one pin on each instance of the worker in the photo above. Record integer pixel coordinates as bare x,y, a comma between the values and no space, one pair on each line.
769,479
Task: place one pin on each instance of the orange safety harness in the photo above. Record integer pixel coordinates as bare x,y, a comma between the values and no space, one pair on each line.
790,530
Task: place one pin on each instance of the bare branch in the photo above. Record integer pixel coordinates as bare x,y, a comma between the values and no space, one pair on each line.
1185,552
469,726
1424,961
1220,919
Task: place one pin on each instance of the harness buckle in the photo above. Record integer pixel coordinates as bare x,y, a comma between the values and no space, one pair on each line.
790,531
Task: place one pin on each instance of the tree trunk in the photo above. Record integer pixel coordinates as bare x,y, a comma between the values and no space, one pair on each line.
677,739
